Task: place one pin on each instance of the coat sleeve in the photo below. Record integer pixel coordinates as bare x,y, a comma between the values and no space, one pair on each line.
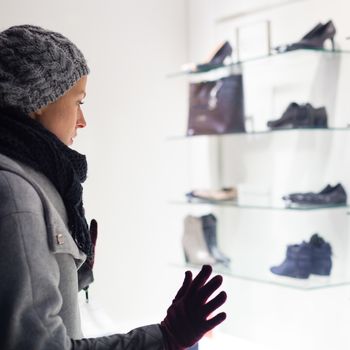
142,338
30,299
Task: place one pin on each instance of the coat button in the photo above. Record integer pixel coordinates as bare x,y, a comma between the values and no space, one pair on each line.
60,239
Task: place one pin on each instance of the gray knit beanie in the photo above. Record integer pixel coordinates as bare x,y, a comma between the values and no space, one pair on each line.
37,66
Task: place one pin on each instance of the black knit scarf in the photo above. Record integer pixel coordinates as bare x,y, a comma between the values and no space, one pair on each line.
26,140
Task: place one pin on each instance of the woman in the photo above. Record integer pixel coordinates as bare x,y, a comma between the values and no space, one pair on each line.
46,245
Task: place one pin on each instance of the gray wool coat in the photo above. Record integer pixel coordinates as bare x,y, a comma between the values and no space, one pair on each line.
38,271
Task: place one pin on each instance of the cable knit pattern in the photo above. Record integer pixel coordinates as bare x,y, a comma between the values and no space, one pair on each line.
37,66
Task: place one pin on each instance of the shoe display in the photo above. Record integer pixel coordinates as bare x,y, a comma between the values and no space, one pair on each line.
200,243
302,260
330,195
223,194
314,39
297,263
209,225
300,116
222,52
194,244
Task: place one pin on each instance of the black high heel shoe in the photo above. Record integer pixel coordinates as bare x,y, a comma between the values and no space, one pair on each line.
314,39
217,58
219,55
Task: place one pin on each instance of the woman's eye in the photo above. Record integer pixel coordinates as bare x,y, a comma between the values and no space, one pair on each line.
81,102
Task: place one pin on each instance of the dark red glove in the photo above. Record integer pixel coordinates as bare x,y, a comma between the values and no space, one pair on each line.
93,235
186,320
85,275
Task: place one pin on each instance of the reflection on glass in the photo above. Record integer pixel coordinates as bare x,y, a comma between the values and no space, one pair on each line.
263,132
235,204
212,67
261,274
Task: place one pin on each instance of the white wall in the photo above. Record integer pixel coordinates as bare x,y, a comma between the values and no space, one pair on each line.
281,317
130,46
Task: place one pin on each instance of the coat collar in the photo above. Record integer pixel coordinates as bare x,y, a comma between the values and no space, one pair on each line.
59,238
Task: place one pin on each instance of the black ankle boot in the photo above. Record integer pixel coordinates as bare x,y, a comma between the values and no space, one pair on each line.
209,229
301,116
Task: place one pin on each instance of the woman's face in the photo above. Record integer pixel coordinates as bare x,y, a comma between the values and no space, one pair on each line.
64,116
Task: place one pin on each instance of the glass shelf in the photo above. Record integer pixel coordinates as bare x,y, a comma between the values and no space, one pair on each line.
264,132
265,207
209,68
262,274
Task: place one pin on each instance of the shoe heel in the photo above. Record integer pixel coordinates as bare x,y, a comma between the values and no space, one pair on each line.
323,272
333,43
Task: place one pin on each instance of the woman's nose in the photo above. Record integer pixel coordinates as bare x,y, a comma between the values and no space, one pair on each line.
81,122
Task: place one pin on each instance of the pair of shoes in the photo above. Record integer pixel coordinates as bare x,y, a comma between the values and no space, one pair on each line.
300,116
199,241
314,39
224,194
221,53
302,260
330,195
